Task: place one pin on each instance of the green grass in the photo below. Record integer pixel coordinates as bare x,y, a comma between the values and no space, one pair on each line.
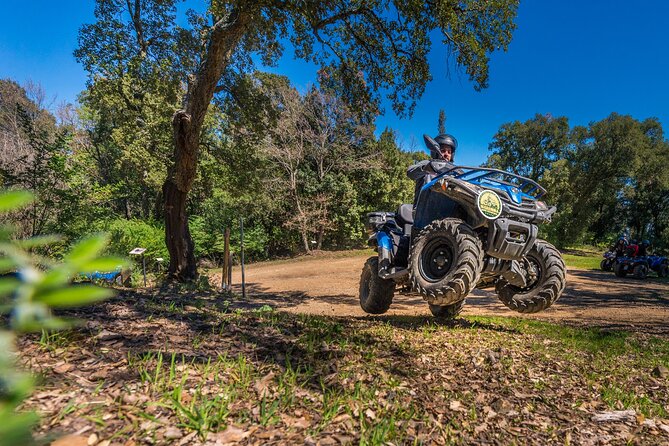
590,261
608,343
387,377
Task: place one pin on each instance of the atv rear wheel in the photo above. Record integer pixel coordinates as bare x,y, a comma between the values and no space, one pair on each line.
619,270
447,311
547,286
445,262
606,265
376,294
640,271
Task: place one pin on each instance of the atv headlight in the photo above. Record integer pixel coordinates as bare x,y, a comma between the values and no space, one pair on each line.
541,205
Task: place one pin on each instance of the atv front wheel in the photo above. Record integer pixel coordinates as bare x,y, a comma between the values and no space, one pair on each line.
447,311
445,262
548,271
606,265
663,271
640,271
619,270
376,294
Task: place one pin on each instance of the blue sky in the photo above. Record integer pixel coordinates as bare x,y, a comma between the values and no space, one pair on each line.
571,58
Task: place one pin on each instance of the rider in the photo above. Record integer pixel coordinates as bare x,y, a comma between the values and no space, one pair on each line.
619,247
643,248
632,249
424,171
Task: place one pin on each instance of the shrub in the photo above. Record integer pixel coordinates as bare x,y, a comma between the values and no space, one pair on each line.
128,234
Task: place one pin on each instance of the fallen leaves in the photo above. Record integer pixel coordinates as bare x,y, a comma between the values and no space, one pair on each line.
262,386
71,440
173,433
231,435
456,405
660,371
329,387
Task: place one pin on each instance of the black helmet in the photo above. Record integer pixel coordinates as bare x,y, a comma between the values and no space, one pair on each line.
646,243
448,140
442,139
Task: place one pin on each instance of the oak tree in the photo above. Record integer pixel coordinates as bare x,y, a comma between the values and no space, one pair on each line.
371,48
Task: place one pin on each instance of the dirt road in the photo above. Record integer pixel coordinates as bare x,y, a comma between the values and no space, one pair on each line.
328,285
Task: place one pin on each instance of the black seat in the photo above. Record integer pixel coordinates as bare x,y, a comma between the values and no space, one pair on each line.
405,214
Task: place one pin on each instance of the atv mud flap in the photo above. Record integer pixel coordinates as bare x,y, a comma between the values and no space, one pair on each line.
509,239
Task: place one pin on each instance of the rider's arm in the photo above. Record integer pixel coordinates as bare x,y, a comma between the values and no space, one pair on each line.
419,170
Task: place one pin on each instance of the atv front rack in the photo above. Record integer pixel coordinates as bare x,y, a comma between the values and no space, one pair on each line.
495,178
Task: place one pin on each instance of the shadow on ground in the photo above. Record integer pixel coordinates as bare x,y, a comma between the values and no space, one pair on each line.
592,298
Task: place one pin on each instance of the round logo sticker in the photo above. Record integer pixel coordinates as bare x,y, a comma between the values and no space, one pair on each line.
489,204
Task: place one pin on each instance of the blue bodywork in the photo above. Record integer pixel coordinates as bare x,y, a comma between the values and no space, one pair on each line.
520,194
453,193
384,241
654,263
104,276
514,186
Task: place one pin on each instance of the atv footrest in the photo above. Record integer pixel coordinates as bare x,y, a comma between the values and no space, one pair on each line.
394,273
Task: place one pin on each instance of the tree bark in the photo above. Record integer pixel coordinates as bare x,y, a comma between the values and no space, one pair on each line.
321,233
186,127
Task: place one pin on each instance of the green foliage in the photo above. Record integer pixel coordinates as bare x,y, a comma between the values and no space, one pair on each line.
30,286
143,66
209,239
528,148
603,178
35,158
441,123
125,235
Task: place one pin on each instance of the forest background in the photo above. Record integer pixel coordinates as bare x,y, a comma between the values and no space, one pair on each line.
301,168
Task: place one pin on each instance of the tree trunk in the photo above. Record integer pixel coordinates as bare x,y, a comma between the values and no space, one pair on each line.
175,192
186,127
321,233
179,242
305,240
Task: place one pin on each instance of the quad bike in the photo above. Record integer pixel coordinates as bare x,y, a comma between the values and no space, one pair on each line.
609,260
640,266
659,264
481,231
119,277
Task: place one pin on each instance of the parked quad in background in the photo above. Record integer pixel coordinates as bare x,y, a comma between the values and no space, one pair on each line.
639,267
659,264
485,236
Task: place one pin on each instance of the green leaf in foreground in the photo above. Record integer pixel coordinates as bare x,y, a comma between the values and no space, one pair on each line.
104,264
86,250
74,296
7,264
10,201
8,286
42,240
55,278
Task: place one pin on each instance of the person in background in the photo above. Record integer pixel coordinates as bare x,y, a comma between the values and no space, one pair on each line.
632,249
619,247
643,248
